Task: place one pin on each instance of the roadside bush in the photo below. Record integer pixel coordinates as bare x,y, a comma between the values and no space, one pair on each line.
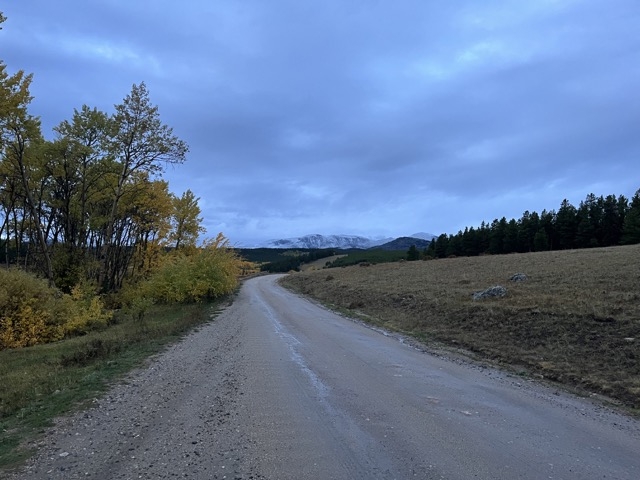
138,307
82,310
208,273
31,312
26,313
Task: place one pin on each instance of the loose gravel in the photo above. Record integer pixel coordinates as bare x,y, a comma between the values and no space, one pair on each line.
174,419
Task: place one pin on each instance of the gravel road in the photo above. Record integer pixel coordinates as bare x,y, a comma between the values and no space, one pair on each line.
276,387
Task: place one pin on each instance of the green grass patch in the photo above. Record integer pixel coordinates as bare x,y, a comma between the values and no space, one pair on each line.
44,381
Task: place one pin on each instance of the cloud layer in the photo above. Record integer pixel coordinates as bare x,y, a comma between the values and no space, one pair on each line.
370,118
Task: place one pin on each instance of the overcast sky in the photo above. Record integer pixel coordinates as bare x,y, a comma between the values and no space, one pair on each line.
375,118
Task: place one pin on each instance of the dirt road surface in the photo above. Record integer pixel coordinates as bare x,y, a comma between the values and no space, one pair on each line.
277,387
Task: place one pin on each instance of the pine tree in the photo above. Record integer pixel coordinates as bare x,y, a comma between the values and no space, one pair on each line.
430,251
454,246
470,242
498,232
511,235
413,253
611,221
548,224
541,241
441,244
528,226
631,228
483,236
566,225
585,234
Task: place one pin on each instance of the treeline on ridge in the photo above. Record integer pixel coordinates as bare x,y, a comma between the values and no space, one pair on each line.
597,222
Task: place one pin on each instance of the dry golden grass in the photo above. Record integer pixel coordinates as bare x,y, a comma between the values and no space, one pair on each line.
576,320
320,263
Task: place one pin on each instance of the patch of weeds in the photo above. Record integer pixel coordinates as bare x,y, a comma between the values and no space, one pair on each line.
93,350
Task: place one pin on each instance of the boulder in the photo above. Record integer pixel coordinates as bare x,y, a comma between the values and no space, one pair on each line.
519,277
497,291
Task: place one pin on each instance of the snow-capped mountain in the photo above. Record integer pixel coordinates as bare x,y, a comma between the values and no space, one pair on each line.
327,241
424,236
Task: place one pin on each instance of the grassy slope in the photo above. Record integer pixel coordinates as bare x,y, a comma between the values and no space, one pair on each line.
41,382
370,256
320,263
571,322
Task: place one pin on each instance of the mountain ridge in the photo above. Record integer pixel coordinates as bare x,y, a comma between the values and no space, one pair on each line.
338,241
404,243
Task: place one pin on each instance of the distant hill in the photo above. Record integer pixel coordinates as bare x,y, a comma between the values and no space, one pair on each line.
404,243
424,236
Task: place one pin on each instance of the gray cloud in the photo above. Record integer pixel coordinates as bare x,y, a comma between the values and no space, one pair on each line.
380,118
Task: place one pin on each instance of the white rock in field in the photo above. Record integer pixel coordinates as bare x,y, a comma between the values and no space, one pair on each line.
497,291
519,277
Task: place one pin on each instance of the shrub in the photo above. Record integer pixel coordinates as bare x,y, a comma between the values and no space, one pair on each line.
83,310
208,273
26,313
31,312
138,306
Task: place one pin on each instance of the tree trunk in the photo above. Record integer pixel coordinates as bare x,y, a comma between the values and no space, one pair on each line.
48,268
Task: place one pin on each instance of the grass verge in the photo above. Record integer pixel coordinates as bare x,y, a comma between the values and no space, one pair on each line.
575,321
42,382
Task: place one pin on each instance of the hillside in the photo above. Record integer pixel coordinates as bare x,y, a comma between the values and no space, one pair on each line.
404,243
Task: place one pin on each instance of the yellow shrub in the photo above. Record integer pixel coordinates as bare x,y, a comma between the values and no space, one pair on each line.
31,312
84,310
26,310
206,273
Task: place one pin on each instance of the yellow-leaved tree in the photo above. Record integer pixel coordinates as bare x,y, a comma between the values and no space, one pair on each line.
186,222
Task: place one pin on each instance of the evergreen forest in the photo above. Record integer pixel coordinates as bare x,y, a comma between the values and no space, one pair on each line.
596,222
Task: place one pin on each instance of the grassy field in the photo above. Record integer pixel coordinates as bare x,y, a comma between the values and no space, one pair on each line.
576,320
39,383
320,263
370,256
